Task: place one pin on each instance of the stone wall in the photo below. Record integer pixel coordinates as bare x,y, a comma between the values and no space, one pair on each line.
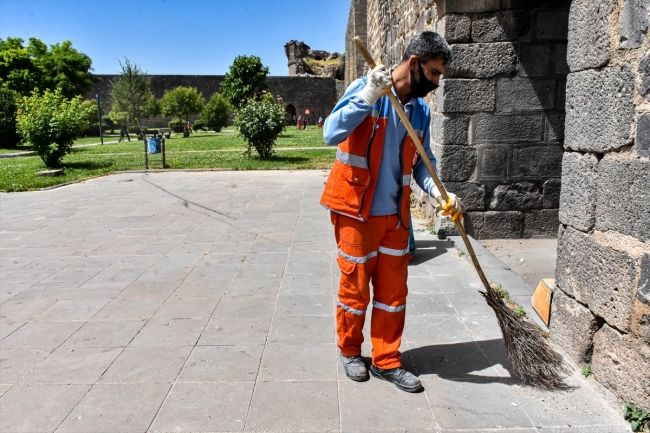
498,116
601,312
318,94
357,26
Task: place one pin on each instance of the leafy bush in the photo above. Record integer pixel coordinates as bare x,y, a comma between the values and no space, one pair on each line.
134,129
246,79
636,416
8,109
181,101
215,113
50,122
260,123
177,126
108,123
199,125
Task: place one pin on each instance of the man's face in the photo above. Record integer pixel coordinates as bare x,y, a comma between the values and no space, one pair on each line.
433,69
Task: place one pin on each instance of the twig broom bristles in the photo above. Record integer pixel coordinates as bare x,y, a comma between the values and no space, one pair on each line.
531,357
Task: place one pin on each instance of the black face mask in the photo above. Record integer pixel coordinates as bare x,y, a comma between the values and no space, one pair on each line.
424,86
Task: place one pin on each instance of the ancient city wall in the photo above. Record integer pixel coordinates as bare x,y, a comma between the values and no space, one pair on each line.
357,26
318,94
601,312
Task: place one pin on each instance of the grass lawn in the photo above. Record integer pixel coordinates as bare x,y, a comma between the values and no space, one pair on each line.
199,151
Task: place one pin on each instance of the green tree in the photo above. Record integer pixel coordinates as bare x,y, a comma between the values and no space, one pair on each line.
131,94
215,113
260,123
18,70
245,80
181,102
50,122
8,109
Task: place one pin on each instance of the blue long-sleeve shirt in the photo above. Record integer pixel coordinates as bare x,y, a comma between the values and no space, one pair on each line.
348,113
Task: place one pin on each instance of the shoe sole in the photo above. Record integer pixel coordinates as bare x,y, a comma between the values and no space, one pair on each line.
358,378
403,388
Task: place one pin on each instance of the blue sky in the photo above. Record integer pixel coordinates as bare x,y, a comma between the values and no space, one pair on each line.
179,37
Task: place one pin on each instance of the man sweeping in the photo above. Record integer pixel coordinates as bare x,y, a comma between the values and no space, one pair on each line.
368,193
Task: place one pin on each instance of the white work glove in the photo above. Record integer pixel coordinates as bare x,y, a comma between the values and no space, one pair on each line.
379,83
453,206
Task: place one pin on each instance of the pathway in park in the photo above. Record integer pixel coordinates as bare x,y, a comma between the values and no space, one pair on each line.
204,302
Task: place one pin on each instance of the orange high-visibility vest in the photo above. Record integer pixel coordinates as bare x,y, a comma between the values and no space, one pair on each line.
351,184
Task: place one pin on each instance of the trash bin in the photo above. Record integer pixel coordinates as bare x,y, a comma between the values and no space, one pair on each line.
154,145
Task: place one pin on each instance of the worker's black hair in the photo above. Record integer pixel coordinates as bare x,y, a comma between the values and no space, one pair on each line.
428,46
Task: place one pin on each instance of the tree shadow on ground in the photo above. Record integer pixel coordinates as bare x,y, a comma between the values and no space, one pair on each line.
429,250
86,165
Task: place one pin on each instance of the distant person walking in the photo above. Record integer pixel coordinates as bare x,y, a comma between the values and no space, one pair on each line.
304,123
124,132
320,123
299,124
293,119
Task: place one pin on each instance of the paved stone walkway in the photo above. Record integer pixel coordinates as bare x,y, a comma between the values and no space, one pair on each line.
204,302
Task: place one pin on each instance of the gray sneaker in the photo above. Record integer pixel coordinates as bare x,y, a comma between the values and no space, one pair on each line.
399,377
354,368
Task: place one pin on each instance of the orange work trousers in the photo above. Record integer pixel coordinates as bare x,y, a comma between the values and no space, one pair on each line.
375,250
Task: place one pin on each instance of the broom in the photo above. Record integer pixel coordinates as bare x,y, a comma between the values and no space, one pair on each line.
531,357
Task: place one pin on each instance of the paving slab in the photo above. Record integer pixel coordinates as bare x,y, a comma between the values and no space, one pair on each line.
206,302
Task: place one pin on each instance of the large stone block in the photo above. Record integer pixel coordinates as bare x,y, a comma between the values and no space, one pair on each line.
597,276
572,327
644,74
642,142
541,223
623,202
455,163
493,162
633,23
551,24
517,94
472,221
482,60
561,66
454,28
460,95
554,126
622,365
450,129
516,196
599,109
502,225
533,162
643,288
534,60
466,6
551,190
589,38
578,194
472,194
500,26
507,128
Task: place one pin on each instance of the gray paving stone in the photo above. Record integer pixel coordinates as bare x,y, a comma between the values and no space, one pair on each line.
68,310
7,328
302,330
142,289
435,329
16,363
105,334
235,330
125,407
363,407
451,361
52,403
429,305
174,332
307,285
245,306
253,286
305,305
147,364
219,406
222,363
42,335
4,389
80,365
44,291
20,311
294,406
129,309
179,307
422,285
479,404
464,304
299,362
482,326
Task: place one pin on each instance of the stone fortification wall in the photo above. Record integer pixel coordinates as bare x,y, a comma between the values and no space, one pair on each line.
318,94
601,312
357,26
498,116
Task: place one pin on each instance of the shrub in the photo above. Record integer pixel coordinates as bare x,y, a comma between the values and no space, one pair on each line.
134,129
181,102
260,123
108,123
199,125
8,108
50,122
215,113
177,126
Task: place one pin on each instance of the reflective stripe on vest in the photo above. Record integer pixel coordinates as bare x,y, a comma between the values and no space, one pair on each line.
350,159
392,252
388,308
355,259
406,180
350,309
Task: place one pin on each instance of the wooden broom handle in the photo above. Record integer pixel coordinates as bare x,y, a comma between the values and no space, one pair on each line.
425,158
